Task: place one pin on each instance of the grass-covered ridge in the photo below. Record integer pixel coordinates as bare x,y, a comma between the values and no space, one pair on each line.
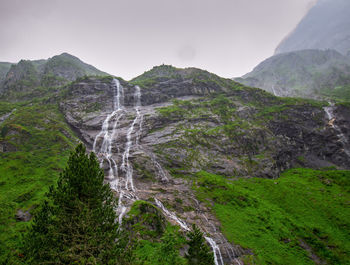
300,218
36,143
163,73
339,93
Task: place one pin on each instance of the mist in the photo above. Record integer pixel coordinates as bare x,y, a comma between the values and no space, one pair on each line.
126,38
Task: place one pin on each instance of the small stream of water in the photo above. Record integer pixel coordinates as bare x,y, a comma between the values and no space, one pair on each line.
331,117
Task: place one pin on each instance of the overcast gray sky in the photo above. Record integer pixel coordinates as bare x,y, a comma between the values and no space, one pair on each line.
127,37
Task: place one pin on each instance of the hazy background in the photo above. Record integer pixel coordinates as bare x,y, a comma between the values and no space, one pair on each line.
127,37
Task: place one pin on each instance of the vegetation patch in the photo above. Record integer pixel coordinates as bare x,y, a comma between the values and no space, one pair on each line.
273,217
40,143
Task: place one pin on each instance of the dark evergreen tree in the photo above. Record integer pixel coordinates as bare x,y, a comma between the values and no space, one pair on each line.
199,252
77,222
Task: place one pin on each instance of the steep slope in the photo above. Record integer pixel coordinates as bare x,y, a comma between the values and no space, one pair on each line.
21,78
182,147
186,121
305,73
325,26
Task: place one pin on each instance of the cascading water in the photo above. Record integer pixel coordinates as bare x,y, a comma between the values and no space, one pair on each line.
128,191
126,166
331,117
161,173
171,215
183,225
104,152
216,249
105,149
274,91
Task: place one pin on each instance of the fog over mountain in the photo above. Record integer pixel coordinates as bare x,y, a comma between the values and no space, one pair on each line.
305,73
125,38
313,61
326,26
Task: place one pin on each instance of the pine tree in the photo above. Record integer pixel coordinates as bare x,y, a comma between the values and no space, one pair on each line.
168,251
199,252
76,224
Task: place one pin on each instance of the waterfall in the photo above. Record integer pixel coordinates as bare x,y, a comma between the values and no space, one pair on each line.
117,104
331,118
183,225
102,146
126,166
215,248
274,91
161,173
171,215
105,149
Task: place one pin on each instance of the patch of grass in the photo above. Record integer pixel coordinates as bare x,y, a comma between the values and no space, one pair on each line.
42,142
273,217
153,239
164,251
145,220
340,93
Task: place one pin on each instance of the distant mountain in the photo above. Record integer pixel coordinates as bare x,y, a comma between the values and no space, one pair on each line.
56,71
326,26
69,67
307,73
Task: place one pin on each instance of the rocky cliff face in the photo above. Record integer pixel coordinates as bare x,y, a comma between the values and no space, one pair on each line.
22,76
4,68
326,26
306,73
182,121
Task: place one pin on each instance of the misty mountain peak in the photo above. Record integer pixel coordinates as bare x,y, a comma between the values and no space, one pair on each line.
325,26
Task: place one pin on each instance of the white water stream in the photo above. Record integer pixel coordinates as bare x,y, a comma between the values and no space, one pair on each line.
105,153
331,117
4,117
274,91
103,147
126,166
216,250
171,215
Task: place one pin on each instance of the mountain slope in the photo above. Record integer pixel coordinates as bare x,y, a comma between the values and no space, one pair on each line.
69,67
182,147
325,26
306,73
30,78
192,121
35,142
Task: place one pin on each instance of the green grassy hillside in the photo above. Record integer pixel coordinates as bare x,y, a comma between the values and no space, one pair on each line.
301,218
36,142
